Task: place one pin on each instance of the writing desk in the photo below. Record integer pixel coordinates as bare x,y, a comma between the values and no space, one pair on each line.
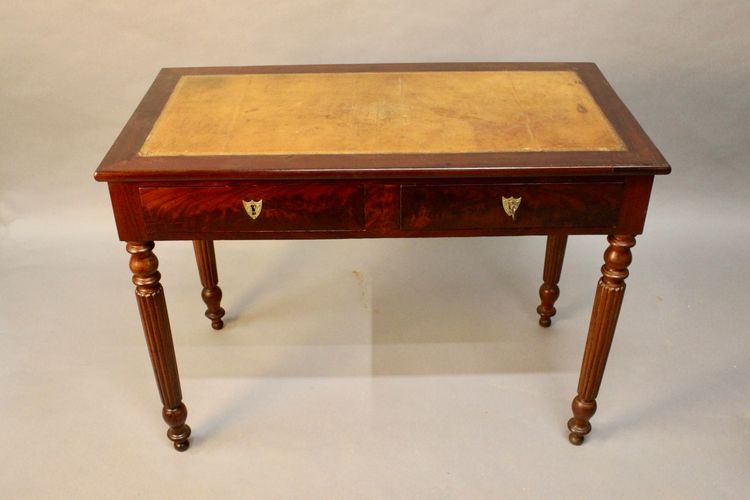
372,151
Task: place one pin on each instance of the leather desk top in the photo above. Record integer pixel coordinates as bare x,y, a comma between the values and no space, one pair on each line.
380,121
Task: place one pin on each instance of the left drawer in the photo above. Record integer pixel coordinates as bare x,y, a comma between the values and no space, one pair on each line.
256,207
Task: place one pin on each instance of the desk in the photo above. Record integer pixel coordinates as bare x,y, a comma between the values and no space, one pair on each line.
372,151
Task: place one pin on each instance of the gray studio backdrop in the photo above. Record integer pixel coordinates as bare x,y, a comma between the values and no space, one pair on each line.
322,367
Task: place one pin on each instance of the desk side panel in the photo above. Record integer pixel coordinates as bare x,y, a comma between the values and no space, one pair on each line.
126,204
635,205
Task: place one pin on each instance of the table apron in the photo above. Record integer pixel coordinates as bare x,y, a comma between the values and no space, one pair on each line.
357,208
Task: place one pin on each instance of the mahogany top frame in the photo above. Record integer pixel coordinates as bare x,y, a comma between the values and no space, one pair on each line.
123,164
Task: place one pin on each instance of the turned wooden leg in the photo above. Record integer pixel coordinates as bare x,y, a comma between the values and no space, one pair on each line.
206,258
607,302
153,309
549,291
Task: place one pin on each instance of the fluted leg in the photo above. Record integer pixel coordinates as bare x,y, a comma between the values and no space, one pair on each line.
206,259
549,291
153,308
607,302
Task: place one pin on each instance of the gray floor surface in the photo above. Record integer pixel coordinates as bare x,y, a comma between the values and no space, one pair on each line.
381,369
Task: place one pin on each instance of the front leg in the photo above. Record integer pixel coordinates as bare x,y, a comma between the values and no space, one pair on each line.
607,302
153,308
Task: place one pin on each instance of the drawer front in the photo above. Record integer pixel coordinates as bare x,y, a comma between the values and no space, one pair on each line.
277,207
480,206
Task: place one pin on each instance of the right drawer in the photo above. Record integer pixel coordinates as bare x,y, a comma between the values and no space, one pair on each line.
436,207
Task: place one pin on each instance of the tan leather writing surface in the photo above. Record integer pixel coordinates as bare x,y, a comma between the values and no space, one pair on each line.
388,112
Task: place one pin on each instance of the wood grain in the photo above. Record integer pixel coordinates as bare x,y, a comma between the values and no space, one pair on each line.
354,209
153,309
211,294
549,291
479,206
442,176
286,207
640,156
607,302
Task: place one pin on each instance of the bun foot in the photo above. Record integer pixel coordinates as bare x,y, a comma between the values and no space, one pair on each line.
545,321
216,322
577,431
179,437
178,431
182,446
579,425
575,439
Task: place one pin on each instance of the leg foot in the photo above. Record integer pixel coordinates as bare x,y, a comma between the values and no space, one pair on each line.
153,308
607,302
549,291
211,294
579,425
178,431
182,446
575,439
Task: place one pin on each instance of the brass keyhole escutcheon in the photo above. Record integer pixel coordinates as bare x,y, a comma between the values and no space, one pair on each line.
253,208
510,205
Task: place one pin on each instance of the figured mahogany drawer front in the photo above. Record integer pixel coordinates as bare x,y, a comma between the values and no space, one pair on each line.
254,207
480,206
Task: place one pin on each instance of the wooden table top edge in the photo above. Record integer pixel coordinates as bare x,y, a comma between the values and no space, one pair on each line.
123,161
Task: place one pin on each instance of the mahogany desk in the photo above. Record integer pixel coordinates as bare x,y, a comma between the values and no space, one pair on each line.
380,151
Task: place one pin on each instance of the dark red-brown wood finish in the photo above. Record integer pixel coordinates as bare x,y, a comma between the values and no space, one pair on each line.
153,308
122,162
607,302
211,294
306,196
549,291
405,208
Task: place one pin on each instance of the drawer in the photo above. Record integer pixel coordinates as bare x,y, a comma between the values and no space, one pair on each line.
480,206
276,207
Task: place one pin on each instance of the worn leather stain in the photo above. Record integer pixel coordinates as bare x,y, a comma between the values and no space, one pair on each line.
380,112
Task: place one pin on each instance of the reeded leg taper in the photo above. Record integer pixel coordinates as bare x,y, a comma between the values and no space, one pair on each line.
549,291
153,308
607,302
206,259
